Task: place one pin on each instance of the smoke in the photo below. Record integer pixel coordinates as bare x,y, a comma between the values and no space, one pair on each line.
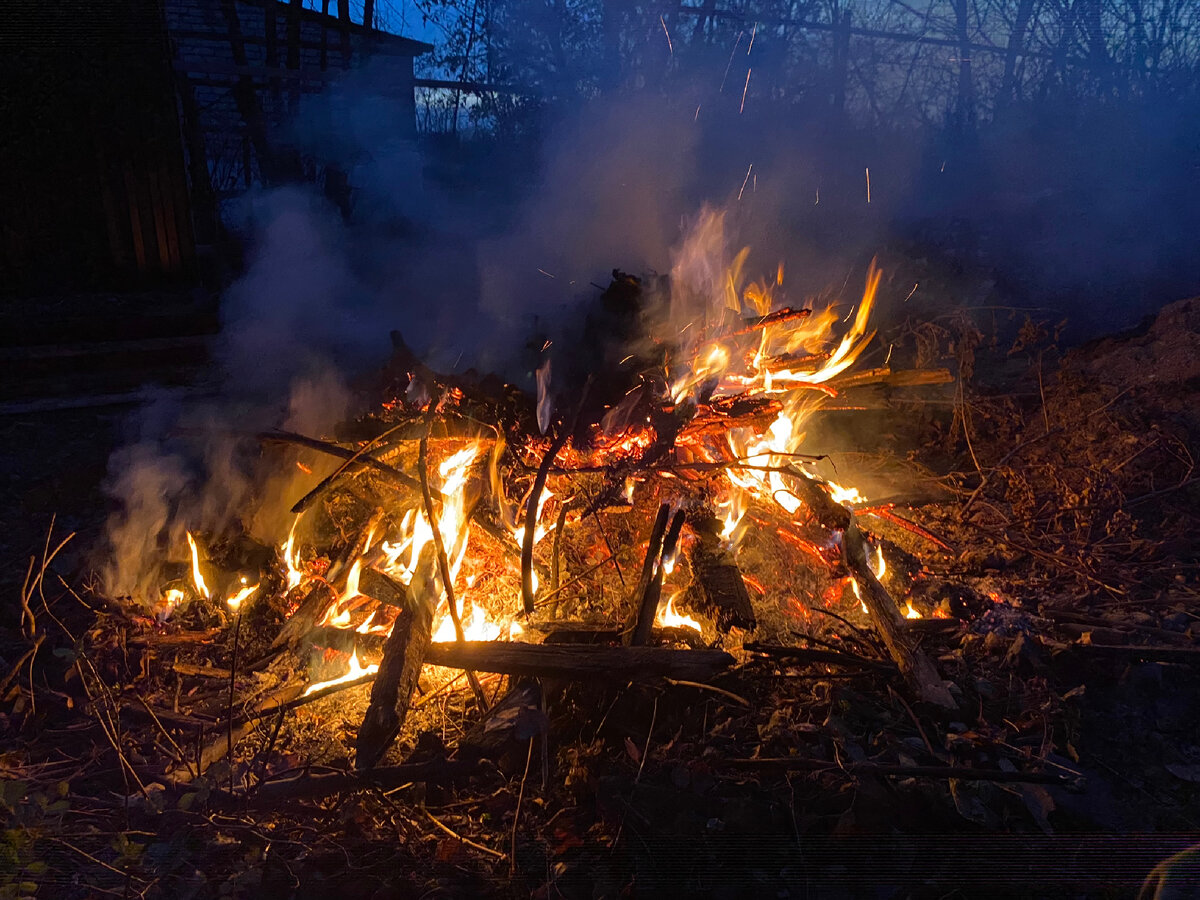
294,326
471,257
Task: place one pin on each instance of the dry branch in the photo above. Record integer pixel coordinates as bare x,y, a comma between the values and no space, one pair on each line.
314,786
792,655
233,731
531,509
646,580
350,456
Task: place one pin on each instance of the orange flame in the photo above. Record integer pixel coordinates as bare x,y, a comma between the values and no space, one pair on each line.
668,617
355,671
197,577
236,600
294,575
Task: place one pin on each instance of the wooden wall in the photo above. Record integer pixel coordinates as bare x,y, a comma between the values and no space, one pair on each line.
95,195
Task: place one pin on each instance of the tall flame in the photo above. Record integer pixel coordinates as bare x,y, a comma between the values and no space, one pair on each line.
197,577
794,356
294,575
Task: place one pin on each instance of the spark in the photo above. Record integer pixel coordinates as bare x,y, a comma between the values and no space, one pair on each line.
743,106
547,274
670,47
744,180
730,63
817,202
913,291
868,171
696,117
752,35
887,359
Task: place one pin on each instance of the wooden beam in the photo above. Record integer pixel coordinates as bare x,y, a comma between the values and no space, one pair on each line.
579,662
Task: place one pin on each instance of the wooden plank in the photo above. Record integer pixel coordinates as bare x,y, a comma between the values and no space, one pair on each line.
160,225
167,200
579,661
135,219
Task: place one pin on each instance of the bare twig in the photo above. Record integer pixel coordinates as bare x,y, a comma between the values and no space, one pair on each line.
709,687
512,857
961,773
458,837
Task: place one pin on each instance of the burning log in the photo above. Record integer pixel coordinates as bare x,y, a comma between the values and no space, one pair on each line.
579,662
304,619
403,655
914,665
386,590
719,588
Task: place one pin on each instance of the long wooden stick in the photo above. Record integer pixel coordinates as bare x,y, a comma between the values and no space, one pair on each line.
579,661
648,568
351,456
650,600
961,773
531,508
918,670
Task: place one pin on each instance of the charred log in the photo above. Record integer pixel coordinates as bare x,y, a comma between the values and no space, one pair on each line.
403,655
718,588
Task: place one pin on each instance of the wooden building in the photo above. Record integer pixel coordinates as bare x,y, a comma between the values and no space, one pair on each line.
123,124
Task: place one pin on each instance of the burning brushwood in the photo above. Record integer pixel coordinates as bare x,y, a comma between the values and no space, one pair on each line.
426,545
